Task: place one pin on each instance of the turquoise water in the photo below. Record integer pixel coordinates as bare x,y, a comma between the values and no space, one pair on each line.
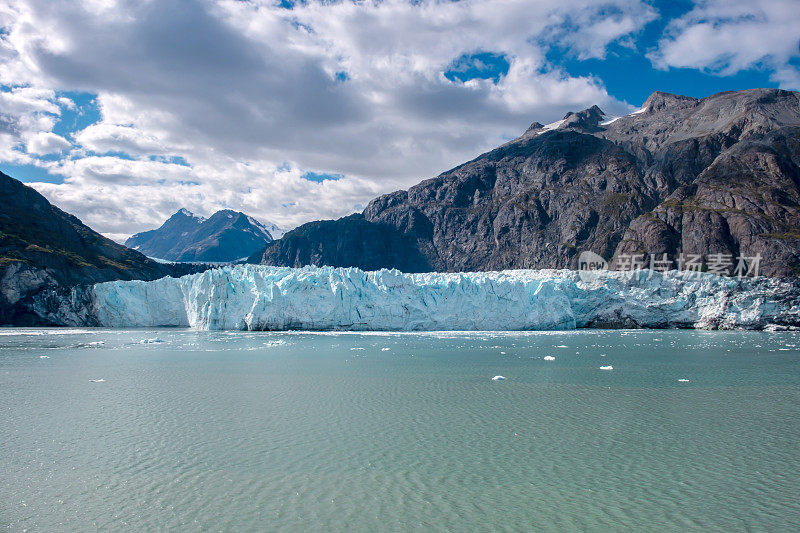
400,432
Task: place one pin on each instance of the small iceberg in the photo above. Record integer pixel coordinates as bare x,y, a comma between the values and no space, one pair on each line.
607,367
150,341
683,380
498,378
101,380
549,358
89,344
44,357
385,349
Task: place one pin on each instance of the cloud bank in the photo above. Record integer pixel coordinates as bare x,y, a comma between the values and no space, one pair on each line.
213,104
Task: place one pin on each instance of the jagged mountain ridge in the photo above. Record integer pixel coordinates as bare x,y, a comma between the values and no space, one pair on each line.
42,249
226,235
681,175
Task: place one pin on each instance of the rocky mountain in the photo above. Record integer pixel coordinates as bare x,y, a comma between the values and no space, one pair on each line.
717,175
158,242
225,236
45,250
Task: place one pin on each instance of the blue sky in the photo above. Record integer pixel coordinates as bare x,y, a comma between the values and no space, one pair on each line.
122,112
628,74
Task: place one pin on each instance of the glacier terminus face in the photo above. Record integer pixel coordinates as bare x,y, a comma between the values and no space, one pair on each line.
259,297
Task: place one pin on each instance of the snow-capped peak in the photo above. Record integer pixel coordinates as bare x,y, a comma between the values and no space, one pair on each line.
271,229
553,125
611,120
185,212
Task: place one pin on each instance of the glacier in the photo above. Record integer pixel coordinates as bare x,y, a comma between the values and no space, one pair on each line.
260,297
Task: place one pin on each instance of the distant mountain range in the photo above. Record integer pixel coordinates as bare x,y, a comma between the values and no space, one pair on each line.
681,175
185,237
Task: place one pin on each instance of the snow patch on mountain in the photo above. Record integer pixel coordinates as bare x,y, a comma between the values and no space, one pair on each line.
273,230
549,127
611,120
185,212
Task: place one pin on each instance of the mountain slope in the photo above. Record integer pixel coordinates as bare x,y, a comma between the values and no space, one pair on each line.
225,236
159,242
43,248
349,241
681,175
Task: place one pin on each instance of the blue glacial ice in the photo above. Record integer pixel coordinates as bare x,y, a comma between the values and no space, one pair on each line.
259,297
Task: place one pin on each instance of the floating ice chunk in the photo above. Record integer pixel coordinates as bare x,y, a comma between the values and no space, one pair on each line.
270,344
498,378
549,358
562,346
44,357
385,349
607,367
101,380
89,344
780,327
683,380
150,341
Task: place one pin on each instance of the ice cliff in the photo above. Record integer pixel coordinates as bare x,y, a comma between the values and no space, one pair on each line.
258,297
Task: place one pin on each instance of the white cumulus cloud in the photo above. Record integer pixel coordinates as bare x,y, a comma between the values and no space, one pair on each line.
728,36
210,104
46,142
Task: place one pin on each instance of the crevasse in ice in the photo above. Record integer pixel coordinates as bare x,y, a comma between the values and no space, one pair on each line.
259,297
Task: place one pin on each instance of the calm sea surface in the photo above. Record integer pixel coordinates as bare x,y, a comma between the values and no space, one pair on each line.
399,432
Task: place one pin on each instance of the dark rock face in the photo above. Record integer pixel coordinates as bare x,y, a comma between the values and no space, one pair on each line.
225,236
680,176
348,242
44,249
